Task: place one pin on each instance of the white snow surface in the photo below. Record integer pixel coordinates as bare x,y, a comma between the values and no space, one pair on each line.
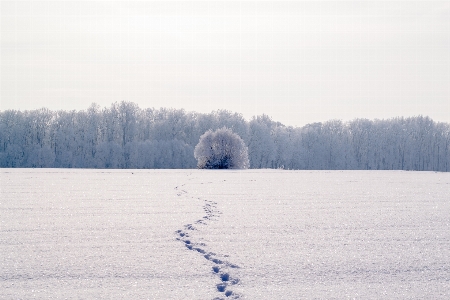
270,234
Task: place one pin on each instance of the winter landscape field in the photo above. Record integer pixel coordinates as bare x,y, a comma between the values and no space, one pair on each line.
205,234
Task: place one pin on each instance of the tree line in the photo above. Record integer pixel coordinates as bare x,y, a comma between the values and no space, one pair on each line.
126,136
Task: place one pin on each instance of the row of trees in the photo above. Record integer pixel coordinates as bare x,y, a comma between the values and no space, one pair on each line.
126,136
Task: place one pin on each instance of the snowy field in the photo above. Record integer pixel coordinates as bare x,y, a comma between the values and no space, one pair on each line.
254,234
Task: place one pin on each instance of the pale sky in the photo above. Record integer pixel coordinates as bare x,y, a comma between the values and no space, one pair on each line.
298,62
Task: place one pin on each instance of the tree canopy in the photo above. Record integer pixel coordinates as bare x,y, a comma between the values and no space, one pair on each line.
221,149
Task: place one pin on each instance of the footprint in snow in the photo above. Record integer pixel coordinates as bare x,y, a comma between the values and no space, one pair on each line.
220,267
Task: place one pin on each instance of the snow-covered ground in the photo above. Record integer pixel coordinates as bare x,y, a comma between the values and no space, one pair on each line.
253,234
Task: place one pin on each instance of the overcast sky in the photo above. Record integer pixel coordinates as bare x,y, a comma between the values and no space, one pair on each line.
299,62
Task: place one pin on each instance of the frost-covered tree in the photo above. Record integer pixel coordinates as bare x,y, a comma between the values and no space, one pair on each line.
125,136
109,155
41,157
261,144
221,149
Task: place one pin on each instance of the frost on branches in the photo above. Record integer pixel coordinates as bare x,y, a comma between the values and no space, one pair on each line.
221,149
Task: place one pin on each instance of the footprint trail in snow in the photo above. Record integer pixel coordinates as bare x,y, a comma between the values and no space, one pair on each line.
220,267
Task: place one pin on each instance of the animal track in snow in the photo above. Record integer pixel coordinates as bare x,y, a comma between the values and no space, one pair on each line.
220,267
